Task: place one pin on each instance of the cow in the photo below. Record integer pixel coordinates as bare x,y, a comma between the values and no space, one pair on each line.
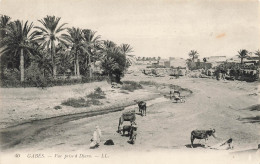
142,107
133,133
202,134
126,128
127,116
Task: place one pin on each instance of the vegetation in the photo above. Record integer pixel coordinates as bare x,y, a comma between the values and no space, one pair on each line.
193,55
97,94
82,102
39,56
131,86
242,54
76,103
239,71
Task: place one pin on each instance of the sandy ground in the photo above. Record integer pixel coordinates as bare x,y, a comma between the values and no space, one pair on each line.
25,105
222,105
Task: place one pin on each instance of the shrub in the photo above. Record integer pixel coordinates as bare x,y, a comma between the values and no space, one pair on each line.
149,83
94,102
76,103
97,94
131,86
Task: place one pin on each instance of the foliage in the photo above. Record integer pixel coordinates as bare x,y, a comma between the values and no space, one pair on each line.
238,71
76,103
114,63
97,94
193,55
4,23
35,77
242,54
16,42
48,34
131,86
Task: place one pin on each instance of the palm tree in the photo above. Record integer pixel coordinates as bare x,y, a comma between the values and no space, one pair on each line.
41,57
107,44
193,54
17,41
4,23
242,54
48,34
126,49
65,58
76,38
257,53
92,44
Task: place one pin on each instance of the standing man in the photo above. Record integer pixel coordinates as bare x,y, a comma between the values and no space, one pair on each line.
96,138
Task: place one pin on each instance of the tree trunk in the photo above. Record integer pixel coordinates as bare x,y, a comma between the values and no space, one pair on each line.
77,64
53,59
75,67
89,63
22,65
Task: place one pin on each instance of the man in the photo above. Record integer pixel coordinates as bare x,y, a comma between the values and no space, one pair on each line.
96,139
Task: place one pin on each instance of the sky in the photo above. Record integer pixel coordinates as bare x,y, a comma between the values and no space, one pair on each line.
165,28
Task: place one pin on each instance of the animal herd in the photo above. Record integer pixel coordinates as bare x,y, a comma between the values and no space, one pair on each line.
132,128
130,116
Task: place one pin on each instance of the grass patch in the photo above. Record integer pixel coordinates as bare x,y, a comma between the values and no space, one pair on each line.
149,83
97,94
76,103
82,102
94,102
131,86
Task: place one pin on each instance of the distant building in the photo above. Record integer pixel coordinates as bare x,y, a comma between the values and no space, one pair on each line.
162,62
177,62
216,60
251,59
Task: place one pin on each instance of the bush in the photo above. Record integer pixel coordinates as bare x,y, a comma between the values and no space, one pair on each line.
76,103
149,83
131,86
94,102
97,94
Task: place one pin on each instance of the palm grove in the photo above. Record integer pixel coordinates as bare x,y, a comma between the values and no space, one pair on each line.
41,53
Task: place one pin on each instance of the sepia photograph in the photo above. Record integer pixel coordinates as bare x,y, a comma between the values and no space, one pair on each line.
129,81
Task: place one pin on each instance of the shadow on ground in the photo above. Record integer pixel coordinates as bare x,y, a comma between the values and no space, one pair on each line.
195,145
255,119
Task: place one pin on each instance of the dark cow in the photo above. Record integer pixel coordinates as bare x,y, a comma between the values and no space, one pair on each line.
142,107
133,133
127,116
126,128
202,134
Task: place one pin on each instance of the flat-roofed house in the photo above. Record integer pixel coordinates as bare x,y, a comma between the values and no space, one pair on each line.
216,60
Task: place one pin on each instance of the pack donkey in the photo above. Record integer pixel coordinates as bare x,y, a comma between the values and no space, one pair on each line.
202,134
127,116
